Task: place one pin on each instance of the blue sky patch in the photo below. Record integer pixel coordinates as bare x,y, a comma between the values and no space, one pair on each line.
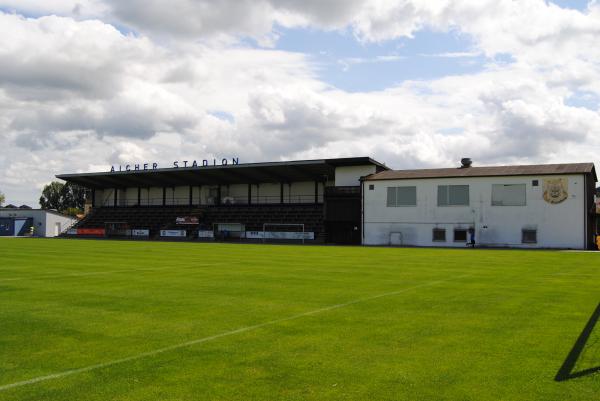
348,64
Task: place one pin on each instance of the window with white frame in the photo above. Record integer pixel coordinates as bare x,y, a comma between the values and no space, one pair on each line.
401,196
509,195
453,195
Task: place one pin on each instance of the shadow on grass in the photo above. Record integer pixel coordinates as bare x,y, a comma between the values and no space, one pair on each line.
566,370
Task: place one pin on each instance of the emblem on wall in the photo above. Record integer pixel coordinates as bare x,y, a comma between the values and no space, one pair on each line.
555,190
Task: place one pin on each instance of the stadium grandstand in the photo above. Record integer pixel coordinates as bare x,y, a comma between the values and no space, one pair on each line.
305,200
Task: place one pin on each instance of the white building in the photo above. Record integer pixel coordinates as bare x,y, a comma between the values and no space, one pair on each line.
45,223
534,206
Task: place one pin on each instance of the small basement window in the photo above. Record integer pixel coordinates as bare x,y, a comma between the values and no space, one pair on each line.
529,236
439,234
535,183
460,235
371,187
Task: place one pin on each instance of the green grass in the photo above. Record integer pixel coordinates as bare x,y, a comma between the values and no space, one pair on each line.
454,325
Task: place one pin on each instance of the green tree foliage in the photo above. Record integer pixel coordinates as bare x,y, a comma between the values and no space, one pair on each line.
2,199
62,197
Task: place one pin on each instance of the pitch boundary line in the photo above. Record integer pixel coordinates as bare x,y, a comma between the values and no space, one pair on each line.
158,351
104,272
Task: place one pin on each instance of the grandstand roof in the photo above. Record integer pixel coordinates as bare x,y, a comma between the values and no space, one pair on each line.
285,171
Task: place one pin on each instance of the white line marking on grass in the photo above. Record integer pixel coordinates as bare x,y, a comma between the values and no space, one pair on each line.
216,336
96,273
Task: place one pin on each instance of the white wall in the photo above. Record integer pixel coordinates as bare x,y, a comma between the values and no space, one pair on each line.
297,192
266,193
350,175
155,196
558,226
106,197
51,220
181,195
302,192
238,191
131,196
98,197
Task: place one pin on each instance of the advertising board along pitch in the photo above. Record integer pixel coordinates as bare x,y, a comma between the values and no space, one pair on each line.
191,220
173,233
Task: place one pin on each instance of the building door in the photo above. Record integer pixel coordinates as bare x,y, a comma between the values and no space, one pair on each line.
342,215
56,229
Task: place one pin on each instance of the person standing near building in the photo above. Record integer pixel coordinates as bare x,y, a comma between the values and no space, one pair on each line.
472,236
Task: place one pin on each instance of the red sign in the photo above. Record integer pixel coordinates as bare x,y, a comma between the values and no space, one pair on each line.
187,220
90,231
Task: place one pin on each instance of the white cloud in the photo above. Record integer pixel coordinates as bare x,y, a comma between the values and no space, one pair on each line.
76,93
74,8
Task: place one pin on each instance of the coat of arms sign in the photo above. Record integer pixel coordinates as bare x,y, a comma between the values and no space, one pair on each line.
555,190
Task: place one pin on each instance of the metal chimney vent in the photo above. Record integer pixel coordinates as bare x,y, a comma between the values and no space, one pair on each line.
465,162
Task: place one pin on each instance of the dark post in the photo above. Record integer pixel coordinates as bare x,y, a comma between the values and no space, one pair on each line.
115,198
164,196
139,196
93,197
249,194
191,195
316,191
281,192
219,195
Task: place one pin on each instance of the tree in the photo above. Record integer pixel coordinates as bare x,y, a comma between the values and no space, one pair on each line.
63,197
73,197
2,199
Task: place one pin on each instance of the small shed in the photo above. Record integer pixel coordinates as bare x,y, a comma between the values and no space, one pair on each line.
15,222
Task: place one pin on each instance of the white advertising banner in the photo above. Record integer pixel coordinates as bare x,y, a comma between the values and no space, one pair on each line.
72,231
140,233
172,233
280,235
206,234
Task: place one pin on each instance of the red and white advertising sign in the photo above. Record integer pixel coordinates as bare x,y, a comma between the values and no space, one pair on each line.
90,231
187,220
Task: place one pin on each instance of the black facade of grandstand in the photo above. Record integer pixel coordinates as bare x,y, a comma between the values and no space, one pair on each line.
321,196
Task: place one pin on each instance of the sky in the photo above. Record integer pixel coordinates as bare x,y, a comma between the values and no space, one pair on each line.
87,84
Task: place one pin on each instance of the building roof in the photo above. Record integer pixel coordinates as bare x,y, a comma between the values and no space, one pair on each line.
27,210
491,171
286,171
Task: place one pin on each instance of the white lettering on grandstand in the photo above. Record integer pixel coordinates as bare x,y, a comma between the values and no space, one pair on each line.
206,234
280,235
140,233
172,233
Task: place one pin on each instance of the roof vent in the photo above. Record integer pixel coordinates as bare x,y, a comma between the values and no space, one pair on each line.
465,162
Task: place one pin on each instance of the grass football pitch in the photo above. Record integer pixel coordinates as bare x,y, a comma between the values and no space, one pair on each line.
119,320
